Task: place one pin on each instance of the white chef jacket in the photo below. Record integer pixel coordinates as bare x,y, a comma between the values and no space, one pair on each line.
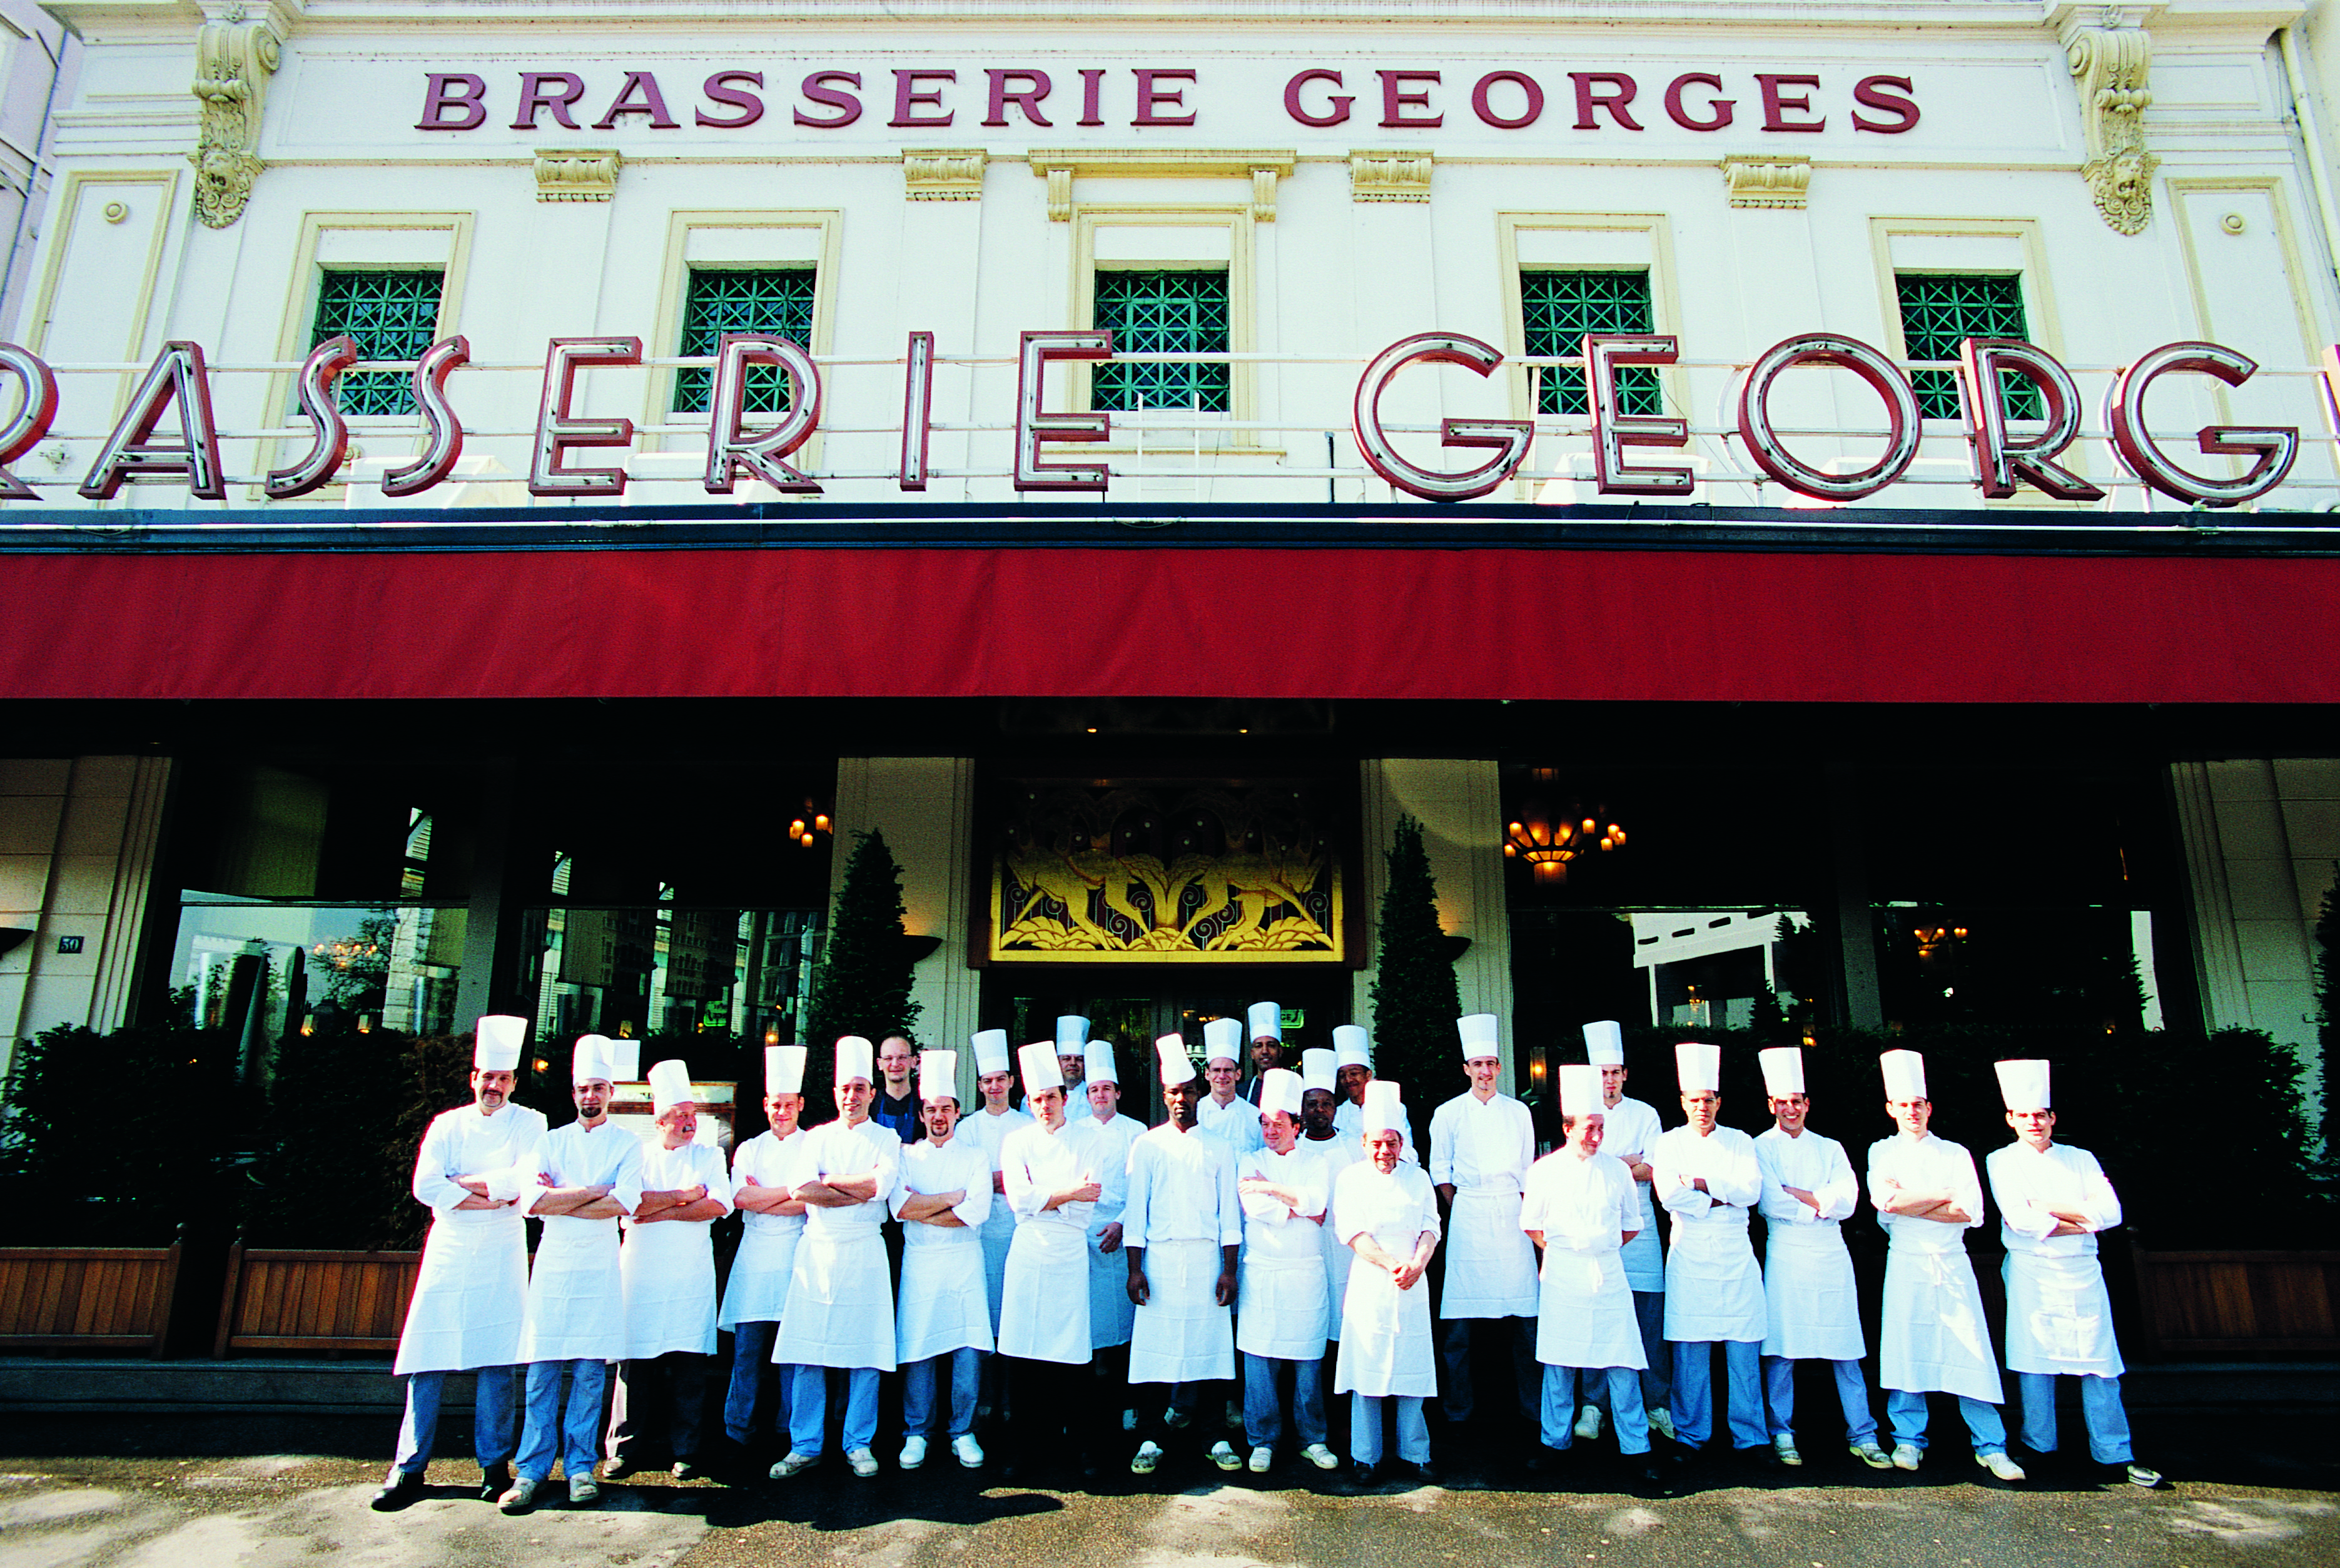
1235,1123
1584,1207
2058,1315
1111,1312
1932,1337
669,1265
576,1293
758,1289
991,1132
1044,1310
1632,1126
1385,1341
943,1307
1713,1289
473,1287
840,1309
1286,1308
1482,1149
1183,1210
1338,1154
1076,1102
1808,1285
1182,1188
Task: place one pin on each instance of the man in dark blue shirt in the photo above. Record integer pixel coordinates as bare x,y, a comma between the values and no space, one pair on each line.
897,1102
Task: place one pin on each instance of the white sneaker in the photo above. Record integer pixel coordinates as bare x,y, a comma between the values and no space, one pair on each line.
1868,1453
1322,1458
1260,1458
794,1465
1588,1423
1148,1455
1906,1456
913,1452
969,1451
1224,1455
1662,1421
519,1498
864,1462
2142,1475
2000,1465
582,1490
1784,1446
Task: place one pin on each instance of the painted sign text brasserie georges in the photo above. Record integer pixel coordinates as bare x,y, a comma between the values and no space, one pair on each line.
177,386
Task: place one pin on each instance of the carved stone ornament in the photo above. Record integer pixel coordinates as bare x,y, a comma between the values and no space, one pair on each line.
1262,167
1389,177
235,57
576,174
943,175
2110,64
1767,182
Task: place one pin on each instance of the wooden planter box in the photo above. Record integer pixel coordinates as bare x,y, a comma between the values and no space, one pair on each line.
86,1298
2239,1304
322,1303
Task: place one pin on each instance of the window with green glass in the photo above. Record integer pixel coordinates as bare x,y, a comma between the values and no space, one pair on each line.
1938,311
1557,309
1163,313
392,315
774,301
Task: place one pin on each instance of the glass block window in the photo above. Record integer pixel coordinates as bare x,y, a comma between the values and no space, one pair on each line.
391,315
1558,308
775,301
1163,313
1937,310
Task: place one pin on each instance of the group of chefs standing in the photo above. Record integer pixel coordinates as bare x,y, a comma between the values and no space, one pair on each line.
1049,1263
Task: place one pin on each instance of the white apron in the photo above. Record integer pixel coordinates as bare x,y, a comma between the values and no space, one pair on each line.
1490,1266
840,1309
2058,1318
1386,1345
1586,1319
944,1307
470,1295
1645,1261
1287,1310
668,1268
1338,1155
1182,1334
1044,1310
757,1289
1713,1290
1112,1314
1808,1290
1933,1338
576,1294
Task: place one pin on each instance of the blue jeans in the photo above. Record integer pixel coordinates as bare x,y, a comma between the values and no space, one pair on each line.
2101,1407
751,1352
1620,1390
1365,1428
809,1409
1851,1391
1694,1391
575,1431
1906,1412
494,1431
919,1394
1656,1379
1264,1411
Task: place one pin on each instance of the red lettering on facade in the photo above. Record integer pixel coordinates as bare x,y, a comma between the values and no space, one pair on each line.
1617,98
750,106
650,101
1483,105
1153,99
1868,93
439,97
1777,105
1337,105
911,94
1396,100
817,90
1092,90
1718,110
1034,85
542,90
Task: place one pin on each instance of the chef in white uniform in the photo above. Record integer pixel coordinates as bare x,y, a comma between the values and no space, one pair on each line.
1580,1211
1934,1339
1266,1023
943,1322
1352,1068
1812,1311
840,1310
1110,1312
1707,1179
755,1295
1182,1233
987,1129
2053,1203
583,1178
1073,1062
1051,1171
1337,1152
668,1264
1223,1112
1386,1212
473,1287
1630,1129
1482,1143
1286,1315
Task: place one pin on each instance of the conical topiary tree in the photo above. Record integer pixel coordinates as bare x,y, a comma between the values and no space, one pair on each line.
2327,1009
1416,999
862,985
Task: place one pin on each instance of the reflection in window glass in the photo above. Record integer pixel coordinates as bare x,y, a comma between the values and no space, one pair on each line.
658,972
268,969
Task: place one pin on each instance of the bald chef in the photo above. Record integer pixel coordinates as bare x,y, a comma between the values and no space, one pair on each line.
1482,1143
1629,1131
668,1266
1050,1172
583,1177
1808,1192
1286,1315
756,1297
944,1316
1707,1178
2053,1203
1181,1232
840,1310
473,1287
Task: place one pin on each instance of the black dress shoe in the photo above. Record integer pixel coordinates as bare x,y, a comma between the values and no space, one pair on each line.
494,1482
1367,1474
1425,1471
401,1489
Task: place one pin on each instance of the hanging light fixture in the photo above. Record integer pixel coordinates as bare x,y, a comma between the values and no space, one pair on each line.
810,826
1549,840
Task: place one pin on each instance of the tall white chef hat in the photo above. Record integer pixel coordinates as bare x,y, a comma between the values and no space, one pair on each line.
625,1061
856,1059
1266,1019
1481,1035
938,1075
1316,1071
1096,1063
1041,1073
495,1046
590,1060
1579,1089
670,1084
1351,1047
1279,1090
784,1069
990,1052
1905,1075
1783,1070
1177,1066
1072,1032
2023,1084
1384,1112
1697,1068
1223,1040
1604,1044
